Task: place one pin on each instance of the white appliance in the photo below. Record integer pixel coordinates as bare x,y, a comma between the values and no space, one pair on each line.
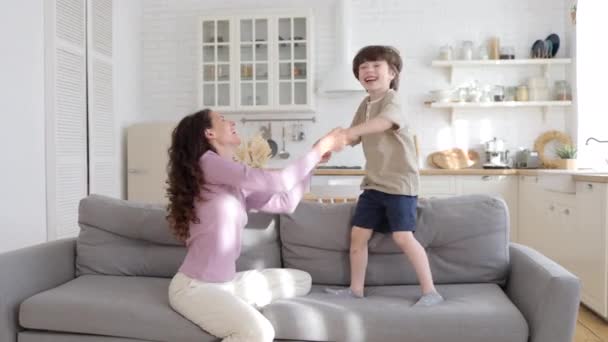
147,157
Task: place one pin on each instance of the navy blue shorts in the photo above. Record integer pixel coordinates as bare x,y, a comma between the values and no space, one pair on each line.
385,213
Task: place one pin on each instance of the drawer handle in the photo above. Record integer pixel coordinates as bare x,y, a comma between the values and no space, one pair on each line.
137,171
485,178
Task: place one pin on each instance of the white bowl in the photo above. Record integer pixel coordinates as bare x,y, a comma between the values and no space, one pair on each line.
442,95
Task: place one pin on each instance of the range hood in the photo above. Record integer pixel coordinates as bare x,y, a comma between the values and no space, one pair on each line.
340,79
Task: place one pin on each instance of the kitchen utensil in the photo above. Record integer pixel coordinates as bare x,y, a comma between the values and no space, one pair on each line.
445,53
526,159
496,156
467,50
538,49
301,135
267,134
494,48
499,93
297,132
521,93
548,49
283,154
554,39
562,91
483,52
486,93
442,95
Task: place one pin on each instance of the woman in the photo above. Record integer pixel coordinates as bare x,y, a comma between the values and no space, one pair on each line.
209,195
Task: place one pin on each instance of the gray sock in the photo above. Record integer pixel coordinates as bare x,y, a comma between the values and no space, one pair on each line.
346,292
429,299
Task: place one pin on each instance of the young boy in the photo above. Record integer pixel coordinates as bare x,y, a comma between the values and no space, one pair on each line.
388,202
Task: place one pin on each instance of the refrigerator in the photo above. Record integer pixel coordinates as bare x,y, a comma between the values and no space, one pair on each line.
147,157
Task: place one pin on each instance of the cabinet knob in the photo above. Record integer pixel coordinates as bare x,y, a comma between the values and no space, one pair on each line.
552,207
589,186
485,178
567,211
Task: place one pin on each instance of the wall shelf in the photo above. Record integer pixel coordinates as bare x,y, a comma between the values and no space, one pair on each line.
545,63
502,62
507,104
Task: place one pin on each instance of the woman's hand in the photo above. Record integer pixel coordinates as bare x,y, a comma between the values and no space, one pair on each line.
325,158
334,141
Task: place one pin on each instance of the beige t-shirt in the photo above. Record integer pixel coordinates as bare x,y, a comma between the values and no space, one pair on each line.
391,163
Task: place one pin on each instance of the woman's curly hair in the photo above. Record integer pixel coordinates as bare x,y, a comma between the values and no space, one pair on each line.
185,178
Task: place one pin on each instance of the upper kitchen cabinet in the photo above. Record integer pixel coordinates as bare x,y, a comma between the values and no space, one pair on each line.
216,57
257,63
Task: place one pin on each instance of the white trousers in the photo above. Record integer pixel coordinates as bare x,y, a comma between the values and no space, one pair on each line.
229,310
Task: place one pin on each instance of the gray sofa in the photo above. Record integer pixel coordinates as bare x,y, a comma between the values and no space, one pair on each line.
110,284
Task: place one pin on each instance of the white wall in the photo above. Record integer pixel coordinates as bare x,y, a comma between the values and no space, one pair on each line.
127,75
592,73
416,28
22,132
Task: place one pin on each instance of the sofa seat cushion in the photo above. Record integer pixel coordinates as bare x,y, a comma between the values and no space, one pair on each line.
470,313
130,307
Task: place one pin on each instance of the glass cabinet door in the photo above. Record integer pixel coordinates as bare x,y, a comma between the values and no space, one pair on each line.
216,63
254,80
293,61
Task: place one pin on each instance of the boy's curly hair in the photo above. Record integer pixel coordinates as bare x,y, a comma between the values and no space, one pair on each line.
185,178
380,53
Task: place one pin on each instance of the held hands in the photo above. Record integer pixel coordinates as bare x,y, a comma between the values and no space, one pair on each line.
334,141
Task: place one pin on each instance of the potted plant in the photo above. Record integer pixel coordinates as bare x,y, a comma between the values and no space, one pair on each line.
567,155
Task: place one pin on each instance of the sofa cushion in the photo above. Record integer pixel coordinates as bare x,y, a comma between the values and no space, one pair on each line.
465,237
128,307
470,313
46,336
120,237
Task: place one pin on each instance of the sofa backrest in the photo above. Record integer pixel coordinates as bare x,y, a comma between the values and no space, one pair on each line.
119,237
465,237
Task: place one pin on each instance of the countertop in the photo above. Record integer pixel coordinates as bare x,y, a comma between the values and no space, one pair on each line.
579,175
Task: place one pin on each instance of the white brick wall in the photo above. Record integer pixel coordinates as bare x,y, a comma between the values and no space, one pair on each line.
416,28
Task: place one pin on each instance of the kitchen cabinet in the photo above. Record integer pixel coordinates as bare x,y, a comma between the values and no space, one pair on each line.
438,186
588,252
336,186
569,225
501,186
547,213
529,204
258,63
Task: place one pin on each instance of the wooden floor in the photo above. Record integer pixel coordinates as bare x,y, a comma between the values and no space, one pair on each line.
590,328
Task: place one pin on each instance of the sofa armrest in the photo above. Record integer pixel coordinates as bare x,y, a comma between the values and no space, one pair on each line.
546,294
28,271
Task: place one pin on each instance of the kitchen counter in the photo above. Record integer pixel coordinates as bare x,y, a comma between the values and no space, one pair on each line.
579,175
